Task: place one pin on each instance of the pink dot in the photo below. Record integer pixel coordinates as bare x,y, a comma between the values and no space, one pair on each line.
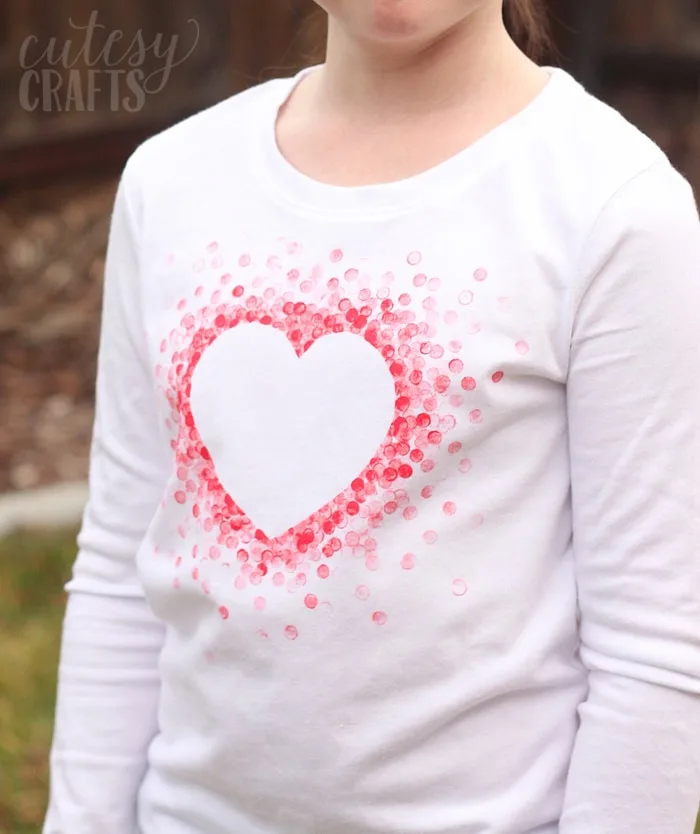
291,632
466,297
456,366
410,513
408,561
263,634
474,328
455,447
522,347
419,280
379,617
455,346
414,258
476,521
475,416
497,377
180,497
480,275
456,400
244,260
259,603
434,284
426,492
278,579
449,508
336,255
451,317
430,537
311,601
459,587
362,592
351,274
372,562
323,571
224,612
469,383
465,465
306,285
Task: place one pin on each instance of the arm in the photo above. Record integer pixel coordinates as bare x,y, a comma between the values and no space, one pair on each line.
634,424
108,679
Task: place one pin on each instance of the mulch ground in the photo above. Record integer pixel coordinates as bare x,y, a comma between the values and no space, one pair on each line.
52,245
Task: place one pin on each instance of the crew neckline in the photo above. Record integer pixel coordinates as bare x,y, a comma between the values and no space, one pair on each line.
305,195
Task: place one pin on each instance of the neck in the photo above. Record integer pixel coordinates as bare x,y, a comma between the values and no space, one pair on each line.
469,60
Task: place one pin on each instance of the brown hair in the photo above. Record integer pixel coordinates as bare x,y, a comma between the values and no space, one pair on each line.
527,22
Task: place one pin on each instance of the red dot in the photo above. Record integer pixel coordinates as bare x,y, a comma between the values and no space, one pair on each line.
323,571
291,632
223,610
442,383
358,484
469,383
405,471
423,420
459,587
311,601
497,377
353,508
397,368
434,438
379,617
403,403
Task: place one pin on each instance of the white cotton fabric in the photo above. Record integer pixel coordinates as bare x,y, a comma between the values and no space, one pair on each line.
394,497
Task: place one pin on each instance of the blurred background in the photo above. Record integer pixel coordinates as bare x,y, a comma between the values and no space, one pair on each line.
76,98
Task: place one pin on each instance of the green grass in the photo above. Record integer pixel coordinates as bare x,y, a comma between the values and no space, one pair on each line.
33,570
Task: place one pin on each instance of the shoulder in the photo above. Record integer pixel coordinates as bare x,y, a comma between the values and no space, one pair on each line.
194,148
597,170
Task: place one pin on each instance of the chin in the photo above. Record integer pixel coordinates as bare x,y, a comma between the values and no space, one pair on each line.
395,19
394,22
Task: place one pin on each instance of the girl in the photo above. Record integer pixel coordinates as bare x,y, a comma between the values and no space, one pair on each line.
395,504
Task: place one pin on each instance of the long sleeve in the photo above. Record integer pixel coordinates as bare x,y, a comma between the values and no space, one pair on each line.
634,430
108,679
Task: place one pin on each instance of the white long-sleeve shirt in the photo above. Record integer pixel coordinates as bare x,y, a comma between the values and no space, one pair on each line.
394,520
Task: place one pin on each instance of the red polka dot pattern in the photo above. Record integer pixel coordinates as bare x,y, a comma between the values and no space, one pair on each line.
427,378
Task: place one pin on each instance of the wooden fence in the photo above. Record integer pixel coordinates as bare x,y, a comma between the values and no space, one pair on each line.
49,123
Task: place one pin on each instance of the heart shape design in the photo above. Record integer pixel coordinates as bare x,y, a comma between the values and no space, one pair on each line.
287,433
